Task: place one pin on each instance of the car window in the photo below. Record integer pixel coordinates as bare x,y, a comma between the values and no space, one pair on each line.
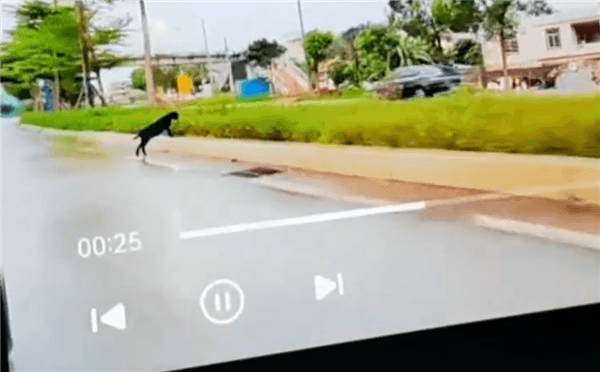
406,72
449,71
431,70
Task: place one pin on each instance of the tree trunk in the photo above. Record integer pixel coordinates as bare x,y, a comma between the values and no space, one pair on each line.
103,102
56,91
35,93
56,78
356,76
480,78
148,66
56,97
84,50
503,51
101,92
438,46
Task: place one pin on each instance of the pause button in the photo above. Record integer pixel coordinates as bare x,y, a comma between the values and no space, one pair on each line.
222,301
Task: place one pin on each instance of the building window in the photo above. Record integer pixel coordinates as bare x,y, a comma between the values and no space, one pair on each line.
553,38
511,45
588,32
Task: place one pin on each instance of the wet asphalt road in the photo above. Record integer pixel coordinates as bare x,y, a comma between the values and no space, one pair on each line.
399,272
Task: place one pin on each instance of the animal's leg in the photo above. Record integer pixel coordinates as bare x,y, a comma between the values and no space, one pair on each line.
169,132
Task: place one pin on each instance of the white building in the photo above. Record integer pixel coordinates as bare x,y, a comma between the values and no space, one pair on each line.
549,48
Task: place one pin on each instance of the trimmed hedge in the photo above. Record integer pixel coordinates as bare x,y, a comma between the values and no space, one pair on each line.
466,120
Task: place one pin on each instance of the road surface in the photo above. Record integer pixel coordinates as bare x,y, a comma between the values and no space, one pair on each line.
379,275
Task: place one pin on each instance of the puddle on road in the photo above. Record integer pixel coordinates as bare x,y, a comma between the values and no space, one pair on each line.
68,155
73,147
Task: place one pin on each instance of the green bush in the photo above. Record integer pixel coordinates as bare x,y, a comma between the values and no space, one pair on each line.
355,92
465,120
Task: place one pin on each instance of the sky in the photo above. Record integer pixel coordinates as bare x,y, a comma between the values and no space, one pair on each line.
176,25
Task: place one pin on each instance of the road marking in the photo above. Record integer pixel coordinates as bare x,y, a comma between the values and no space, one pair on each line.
556,234
406,207
340,284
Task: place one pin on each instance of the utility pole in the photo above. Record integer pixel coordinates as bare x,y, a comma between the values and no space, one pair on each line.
231,82
148,66
205,40
209,64
304,44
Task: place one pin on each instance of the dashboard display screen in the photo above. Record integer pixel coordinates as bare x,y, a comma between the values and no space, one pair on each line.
222,233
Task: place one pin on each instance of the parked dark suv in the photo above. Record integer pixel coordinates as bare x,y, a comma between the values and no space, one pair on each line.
422,81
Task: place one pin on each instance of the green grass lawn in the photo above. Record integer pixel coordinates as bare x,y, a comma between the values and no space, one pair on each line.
506,122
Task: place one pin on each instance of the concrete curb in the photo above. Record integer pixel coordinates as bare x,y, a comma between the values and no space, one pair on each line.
554,177
585,240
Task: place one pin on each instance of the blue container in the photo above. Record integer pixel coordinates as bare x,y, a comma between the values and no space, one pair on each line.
254,88
12,107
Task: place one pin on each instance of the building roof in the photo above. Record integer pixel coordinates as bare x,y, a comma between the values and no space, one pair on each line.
585,12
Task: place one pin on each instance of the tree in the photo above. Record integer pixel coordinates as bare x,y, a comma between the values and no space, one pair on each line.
198,73
500,19
456,15
88,41
344,51
353,32
433,20
42,45
384,48
30,16
316,45
138,79
100,37
497,18
411,51
150,88
345,62
263,52
468,52
82,26
418,19
32,13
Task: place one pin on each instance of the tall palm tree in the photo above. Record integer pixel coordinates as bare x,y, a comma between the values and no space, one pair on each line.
411,51
343,52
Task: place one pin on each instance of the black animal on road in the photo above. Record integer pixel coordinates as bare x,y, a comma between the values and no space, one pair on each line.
155,129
